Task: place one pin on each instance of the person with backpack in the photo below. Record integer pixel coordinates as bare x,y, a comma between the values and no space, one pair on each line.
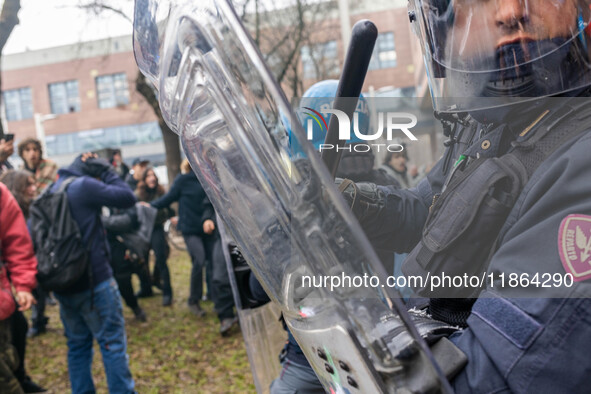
90,307
18,269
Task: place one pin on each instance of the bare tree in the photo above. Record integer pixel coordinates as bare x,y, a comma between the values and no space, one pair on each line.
281,34
8,20
169,138
98,7
293,38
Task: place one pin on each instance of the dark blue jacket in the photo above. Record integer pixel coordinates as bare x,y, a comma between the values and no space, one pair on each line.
187,190
518,344
86,197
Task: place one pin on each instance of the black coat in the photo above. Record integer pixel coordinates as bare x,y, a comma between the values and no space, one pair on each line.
191,197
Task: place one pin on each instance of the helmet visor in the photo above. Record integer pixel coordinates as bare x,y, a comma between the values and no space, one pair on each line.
502,51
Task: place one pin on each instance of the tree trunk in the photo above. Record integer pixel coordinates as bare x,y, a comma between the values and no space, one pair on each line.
170,139
8,20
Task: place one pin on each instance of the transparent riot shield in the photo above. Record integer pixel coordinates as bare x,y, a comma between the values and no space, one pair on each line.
263,333
281,206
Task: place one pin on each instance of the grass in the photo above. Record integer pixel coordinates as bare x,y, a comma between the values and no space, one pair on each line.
174,352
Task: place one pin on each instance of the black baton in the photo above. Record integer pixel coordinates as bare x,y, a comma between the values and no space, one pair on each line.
363,39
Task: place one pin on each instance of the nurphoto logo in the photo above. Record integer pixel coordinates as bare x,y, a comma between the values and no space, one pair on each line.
390,125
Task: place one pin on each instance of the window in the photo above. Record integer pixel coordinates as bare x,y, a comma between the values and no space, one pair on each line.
64,97
384,53
18,104
95,139
320,60
112,90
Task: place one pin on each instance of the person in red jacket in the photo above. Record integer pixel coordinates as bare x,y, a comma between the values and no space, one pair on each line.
20,265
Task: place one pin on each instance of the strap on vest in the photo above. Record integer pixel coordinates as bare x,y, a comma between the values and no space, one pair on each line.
545,137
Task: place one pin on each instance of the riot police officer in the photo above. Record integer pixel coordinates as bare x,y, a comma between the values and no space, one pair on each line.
510,199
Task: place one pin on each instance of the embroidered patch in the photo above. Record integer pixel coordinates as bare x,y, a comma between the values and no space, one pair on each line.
574,246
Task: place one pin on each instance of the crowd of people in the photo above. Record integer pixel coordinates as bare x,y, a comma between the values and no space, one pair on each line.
115,206
119,215
510,82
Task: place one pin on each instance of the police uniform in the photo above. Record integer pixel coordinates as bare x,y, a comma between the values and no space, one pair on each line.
509,81
515,343
535,344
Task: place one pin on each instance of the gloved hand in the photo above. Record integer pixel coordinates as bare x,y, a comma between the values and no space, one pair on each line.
419,376
365,199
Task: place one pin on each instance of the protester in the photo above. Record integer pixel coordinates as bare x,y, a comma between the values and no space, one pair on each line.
19,270
148,189
6,150
118,164
23,188
92,309
396,166
44,170
117,223
137,172
187,190
45,173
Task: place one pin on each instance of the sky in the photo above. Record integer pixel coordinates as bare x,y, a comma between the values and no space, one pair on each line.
50,23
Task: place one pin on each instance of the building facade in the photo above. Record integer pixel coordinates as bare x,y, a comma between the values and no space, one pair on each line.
82,97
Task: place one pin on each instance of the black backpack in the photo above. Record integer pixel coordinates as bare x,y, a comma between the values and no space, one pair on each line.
62,256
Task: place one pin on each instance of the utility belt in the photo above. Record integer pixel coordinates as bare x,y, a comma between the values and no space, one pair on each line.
460,235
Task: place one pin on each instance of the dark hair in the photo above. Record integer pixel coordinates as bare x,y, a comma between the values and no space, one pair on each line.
17,182
113,153
23,144
390,155
145,193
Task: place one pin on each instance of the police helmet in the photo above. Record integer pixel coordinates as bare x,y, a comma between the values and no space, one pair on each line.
486,53
320,97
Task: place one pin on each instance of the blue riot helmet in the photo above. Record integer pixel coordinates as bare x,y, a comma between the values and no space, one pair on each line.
320,97
357,159
488,54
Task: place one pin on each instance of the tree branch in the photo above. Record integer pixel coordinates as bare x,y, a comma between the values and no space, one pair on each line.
8,20
97,7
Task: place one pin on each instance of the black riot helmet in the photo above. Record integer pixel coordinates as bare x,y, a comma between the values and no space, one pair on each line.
489,53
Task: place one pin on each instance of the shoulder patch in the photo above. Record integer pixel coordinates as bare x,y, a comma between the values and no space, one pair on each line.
574,246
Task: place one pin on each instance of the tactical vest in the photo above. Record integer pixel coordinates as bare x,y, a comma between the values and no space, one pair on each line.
464,222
